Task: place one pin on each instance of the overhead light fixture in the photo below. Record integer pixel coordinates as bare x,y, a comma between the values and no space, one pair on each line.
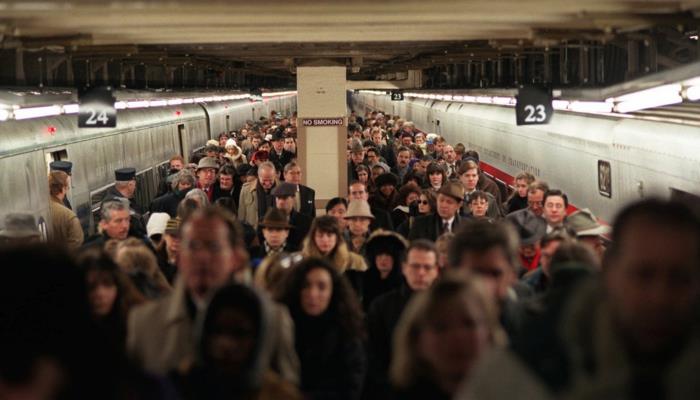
649,98
594,107
4,115
174,102
692,93
36,112
138,104
71,108
120,105
157,103
560,105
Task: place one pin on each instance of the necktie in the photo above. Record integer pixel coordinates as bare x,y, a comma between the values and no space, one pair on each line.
445,227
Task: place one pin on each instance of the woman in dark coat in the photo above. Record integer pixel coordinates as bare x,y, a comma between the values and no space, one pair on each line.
383,253
328,331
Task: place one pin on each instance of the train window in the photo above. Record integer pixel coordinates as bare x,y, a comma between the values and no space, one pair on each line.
58,155
604,179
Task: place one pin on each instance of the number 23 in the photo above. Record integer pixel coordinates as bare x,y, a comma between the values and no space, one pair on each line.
535,114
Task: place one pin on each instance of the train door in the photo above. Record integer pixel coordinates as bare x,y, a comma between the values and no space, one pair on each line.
184,142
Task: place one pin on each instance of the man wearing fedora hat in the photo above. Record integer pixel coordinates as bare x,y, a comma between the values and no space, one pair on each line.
531,229
275,229
125,188
278,155
386,196
285,195
357,157
446,217
359,217
206,176
588,230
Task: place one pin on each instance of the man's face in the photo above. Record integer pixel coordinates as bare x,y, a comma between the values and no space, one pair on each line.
447,206
207,259
534,202
265,147
653,285
493,266
285,203
206,176
225,182
469,179
357,192
406,141
358,225
372,157
118,226
278,145
289,145
420,139
478,207
357,157
439,147
176,165
267,178
547,251
275,237
293,175
377,138
554,210
403,158
420,269
449,153
255,142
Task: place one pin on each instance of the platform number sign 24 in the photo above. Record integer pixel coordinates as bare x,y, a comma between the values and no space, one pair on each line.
97,109
533,106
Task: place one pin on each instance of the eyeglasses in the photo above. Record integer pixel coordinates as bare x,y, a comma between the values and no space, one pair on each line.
424,202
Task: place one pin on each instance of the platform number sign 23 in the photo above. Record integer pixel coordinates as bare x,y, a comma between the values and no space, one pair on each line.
396,95
97,109
534,106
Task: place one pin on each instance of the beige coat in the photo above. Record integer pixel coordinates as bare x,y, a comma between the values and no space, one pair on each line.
161,336
65,226
248,204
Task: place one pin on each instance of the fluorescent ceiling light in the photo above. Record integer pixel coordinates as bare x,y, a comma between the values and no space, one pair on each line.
157,103
36,112
4,115
138,104
71,108
650,98
591,106
120,105
174,102
503,101
693,93
560,104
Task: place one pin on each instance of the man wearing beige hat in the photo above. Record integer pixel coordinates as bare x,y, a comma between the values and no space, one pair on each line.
359,217
588,230
445,218
206,176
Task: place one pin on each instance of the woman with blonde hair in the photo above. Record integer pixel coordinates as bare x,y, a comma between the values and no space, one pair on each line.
441,335
141,265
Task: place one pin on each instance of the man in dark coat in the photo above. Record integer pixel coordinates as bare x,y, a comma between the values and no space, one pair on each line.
420,270
275,232
357,158
278,155
224,186
305,197
125,188
300,223
445,219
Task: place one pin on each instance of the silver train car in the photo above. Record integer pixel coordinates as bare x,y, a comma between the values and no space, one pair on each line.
602,162
144,139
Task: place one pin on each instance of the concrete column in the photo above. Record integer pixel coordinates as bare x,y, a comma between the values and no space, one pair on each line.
322,150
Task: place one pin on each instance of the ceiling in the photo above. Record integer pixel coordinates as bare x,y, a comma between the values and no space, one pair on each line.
368,36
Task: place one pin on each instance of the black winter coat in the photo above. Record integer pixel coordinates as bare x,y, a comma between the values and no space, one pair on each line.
333,366
167,203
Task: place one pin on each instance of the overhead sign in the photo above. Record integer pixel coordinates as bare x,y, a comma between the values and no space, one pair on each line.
96,108
396,95
533,106
340,121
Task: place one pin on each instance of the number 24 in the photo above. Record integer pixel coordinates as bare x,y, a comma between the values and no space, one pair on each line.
102,117
535,114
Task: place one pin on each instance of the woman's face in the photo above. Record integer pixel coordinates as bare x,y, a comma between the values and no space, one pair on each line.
435,179
231,341
362,176
384,263
453,338
325,241
172,244
424,205
521,187
317,291
102,293
411,198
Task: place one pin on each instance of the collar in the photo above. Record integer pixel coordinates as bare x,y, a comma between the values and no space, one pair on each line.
449,221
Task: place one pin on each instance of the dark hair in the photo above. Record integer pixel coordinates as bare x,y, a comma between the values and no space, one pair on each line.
227,169
325,223
572,252
186,208
344,308
471,154
560,233
432,200
653,212
478,194
433,168
466,165
556,192
334,202
479,236
407,189
227,203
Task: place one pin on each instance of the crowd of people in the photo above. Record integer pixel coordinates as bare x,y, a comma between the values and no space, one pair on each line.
429,280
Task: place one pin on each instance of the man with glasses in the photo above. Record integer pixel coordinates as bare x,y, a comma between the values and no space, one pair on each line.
420,270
